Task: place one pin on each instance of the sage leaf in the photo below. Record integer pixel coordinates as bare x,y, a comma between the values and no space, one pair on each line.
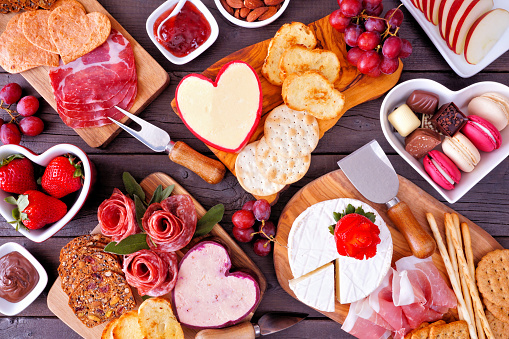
145,297
167,192
156,196
140,211
209,219
132,187
131,244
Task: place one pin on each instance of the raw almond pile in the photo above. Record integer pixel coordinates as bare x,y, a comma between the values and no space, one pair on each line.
252,10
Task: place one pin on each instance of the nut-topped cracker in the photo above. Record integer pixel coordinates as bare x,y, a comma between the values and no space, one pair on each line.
88,240
492,276
456,330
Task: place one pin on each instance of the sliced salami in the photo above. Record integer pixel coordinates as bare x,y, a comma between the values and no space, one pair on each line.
152,273
117,216
170,224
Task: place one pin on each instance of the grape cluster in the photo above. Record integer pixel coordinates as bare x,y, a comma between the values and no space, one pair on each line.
26,107
244,222
374,41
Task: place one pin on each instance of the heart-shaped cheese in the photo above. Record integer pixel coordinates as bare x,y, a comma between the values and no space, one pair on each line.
223,114
207,295
75,33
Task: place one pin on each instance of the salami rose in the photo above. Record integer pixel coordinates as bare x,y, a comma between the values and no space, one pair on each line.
170,224
117,216
152,273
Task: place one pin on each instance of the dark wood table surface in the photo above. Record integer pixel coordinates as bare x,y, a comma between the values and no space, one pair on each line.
487,204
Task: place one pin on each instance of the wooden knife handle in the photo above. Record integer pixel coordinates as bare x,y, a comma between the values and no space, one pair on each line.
210,170
420,242
244,330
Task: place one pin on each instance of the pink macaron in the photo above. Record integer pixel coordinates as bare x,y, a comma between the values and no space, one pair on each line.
441,169
483,134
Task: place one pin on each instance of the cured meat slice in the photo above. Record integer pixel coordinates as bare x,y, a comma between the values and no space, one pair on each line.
363,322
152,273
117,216
170,224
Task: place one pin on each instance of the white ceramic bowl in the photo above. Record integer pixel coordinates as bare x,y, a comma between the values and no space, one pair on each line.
398,95
43,160
214,31
255,24
9,308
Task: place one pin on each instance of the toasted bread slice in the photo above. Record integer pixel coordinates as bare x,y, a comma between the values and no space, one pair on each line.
157,320
288,35
128,327
299,59
108,330
310,91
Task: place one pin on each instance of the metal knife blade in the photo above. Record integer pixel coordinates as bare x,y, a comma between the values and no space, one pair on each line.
274,322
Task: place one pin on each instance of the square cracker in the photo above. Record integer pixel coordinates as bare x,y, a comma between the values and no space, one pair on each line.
457,330
423,333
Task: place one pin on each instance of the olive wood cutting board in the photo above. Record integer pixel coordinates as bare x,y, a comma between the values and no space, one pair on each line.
336,185
58,300
357,87
152,80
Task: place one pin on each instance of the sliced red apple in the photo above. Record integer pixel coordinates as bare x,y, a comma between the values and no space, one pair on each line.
484,34
425,9
466,21
223,114
456,12
435,5
443,11
414,2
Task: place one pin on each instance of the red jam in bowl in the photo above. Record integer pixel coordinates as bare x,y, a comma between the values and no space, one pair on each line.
184,32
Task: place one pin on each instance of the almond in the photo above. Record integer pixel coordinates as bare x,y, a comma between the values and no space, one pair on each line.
272,10
237,13
235,3
244,12
227,7
252,4
272,2
256,13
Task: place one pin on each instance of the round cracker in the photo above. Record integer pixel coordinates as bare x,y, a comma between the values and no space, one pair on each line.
278,169
501,312
492,277
499,328
290,133
250,177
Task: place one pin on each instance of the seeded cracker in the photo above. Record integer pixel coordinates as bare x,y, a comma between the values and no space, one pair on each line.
492,276
456,330
89,240
499,328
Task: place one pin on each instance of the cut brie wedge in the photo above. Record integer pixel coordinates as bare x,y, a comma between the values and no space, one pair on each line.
316,288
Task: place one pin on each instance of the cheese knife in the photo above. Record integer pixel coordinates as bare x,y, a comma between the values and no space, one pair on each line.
210,170
268,323
372,174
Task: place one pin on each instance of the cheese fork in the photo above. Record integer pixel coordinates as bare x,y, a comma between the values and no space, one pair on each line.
210,170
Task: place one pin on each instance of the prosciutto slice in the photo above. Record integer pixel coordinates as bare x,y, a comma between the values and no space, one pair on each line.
363,322
117,216
152,273
170,224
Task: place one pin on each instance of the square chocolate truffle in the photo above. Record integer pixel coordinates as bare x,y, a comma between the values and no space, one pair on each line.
449,119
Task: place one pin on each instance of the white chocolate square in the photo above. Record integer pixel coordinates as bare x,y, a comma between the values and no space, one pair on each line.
404,120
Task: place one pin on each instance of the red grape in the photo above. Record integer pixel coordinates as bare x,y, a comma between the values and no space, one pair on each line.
394,17
368,40
351,8
339,21
374,10
375,25
373,3
269,229
10,93
353,55
27,106
352,33
368,61
243,219
9,134
375,72
391,47
31,126
248,206
339,2
243,234
1,121
261,210
388,65
406,49
262,247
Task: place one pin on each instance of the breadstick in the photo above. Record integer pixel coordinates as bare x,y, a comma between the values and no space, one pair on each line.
450,271
474,293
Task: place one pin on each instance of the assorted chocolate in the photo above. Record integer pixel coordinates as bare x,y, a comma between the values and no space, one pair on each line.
449,119
423,102
421,141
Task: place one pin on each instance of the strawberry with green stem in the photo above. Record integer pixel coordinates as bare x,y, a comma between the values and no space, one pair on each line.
17,174
62,176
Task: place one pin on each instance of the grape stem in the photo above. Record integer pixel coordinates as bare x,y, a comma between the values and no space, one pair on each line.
11,112
269,237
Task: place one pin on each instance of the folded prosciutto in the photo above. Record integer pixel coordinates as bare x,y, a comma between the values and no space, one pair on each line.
170,224
413,293
152,273
117,216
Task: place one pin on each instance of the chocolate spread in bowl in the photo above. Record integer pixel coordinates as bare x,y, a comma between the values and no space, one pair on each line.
17,277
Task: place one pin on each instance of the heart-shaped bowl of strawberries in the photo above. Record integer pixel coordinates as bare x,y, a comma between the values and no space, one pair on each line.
42,210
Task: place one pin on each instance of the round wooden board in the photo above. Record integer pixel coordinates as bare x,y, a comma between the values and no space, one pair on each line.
336,185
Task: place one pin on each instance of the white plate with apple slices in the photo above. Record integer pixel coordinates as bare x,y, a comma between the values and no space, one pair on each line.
462,15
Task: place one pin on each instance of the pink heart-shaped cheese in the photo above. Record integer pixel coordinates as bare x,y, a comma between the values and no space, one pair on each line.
223,114
207,295
43,160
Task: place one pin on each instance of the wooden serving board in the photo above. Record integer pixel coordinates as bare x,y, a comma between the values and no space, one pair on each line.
58,300
336,185
356,87
152,80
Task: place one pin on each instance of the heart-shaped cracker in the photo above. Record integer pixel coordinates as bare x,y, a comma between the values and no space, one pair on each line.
35,28
17,54
76,33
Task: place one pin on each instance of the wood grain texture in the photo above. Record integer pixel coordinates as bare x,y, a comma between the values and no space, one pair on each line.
58,300
336,185
152,80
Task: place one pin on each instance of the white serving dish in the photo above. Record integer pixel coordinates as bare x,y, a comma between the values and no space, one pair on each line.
9,308
43,160
398,95
255,24
458,62
214,31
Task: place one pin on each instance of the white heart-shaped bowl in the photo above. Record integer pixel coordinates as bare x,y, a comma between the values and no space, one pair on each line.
398,95
43,160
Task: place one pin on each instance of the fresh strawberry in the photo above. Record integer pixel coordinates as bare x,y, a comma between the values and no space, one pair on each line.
36,209
17,174
62,176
